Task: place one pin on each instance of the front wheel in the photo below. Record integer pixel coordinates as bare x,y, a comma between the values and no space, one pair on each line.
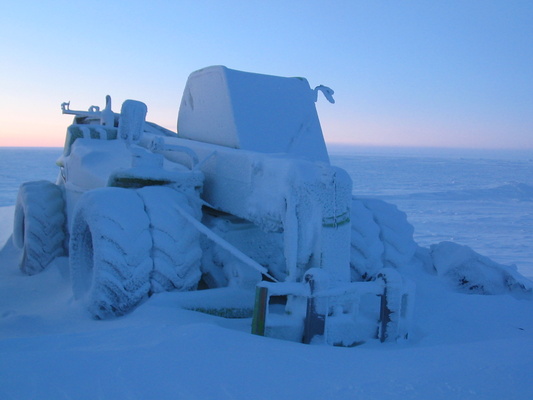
39,225
176,251
110,251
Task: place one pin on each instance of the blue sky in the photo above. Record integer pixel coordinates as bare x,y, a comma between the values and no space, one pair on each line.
409,73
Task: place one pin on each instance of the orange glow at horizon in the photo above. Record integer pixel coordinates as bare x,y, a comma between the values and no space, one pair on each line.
47,135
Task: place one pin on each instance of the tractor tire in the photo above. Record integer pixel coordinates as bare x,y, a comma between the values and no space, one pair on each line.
176,251
110,251
39,225
367,248
381,238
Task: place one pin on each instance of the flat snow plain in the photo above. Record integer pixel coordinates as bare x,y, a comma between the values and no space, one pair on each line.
462,346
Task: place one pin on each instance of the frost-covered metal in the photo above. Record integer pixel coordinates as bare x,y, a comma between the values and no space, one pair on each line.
242,196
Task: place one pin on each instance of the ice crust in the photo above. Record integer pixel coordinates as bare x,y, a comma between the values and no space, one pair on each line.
296,210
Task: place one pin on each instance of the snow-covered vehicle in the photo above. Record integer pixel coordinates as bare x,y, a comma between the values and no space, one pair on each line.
242,197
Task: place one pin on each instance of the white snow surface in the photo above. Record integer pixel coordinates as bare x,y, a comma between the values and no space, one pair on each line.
461,346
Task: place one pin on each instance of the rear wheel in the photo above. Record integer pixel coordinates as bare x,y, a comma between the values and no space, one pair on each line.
110,251
381,238
39,225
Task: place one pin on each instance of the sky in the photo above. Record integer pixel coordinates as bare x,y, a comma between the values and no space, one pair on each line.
454,73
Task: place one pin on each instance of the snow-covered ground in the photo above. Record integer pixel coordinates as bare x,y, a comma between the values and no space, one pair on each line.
462,346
